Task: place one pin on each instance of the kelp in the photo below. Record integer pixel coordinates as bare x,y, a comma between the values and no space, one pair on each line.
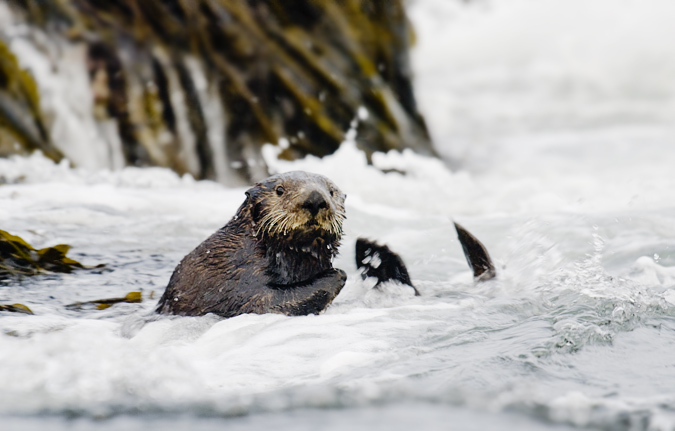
294,69
19,257
15,308
102,304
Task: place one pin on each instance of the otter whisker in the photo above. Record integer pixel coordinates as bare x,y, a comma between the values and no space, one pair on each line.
272,220
289,224
284,226
275,217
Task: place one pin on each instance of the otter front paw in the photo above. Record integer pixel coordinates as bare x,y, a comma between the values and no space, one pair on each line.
313,297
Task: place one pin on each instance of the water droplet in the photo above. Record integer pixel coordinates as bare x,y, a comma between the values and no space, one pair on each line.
656,257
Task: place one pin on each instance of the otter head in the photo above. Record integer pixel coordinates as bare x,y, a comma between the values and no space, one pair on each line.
297,208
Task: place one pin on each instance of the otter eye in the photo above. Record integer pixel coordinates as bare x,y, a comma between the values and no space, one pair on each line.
332,193
280,190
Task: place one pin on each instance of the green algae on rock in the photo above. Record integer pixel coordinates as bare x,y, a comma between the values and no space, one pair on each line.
20,115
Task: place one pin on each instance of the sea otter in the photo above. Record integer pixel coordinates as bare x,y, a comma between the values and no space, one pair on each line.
274,256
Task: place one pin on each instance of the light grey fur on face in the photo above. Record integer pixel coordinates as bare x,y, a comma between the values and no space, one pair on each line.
289,192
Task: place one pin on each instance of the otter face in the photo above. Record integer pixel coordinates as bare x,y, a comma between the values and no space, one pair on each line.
297,204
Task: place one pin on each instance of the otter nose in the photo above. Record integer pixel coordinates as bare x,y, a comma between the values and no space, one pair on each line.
314,202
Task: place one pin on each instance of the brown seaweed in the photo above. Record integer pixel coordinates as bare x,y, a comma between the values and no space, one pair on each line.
19,257
102,304
15,308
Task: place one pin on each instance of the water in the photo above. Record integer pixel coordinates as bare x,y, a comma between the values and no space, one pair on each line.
562,149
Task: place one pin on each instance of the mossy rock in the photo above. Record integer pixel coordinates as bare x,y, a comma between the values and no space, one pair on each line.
293,69
20,114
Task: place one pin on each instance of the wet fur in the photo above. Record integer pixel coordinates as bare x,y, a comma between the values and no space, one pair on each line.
273,256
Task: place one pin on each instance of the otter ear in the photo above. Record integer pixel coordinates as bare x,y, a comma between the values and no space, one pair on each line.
253,194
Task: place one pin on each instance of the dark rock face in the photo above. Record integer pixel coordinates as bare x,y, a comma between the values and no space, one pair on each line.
274,256
190,83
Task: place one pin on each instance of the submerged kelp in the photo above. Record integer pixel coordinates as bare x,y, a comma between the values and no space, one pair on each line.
102,304
15,308
199,86
19,257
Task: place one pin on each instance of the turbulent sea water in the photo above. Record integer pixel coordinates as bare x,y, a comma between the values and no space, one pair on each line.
557,122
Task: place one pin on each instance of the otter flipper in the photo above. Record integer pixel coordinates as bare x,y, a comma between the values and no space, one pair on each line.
378,261
476,255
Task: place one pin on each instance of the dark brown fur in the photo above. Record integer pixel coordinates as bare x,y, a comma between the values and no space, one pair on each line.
274,256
